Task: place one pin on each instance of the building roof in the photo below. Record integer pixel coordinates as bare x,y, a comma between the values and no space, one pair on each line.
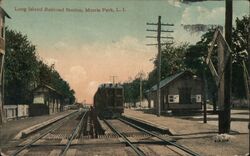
2,11
168,80
49,87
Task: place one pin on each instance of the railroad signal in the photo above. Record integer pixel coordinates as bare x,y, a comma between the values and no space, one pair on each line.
223,77
159,44
224,52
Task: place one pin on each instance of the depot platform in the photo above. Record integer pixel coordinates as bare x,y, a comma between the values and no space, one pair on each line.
16,128
198,136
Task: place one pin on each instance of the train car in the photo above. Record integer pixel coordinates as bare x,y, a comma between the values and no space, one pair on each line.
108,100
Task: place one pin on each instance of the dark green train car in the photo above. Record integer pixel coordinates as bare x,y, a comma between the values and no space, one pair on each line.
108,100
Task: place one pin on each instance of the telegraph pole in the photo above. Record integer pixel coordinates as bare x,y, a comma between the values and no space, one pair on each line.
159,66
140,90
141,77
113,78
225,113
159,31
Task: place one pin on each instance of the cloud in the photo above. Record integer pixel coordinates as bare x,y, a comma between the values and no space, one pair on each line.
77,74
51,61
92,87
175,3
184,36
87,65
60,45
201,15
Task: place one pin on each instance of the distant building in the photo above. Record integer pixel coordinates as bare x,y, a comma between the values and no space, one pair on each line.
46,100
182,91
16,111
10,111
3,14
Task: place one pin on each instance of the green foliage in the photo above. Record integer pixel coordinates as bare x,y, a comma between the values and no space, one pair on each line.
172,59
197,53
240,39
172,63
20,68
176,58
24,71
240,54
195,61
48,75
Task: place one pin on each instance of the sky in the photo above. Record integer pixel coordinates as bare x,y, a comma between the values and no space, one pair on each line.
88,47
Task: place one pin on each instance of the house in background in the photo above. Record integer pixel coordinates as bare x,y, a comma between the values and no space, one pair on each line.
179,92
3,14
46,100
13,112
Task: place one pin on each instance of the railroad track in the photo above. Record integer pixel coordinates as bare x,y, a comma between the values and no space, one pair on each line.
175,148
185,149
135,148
53,128
75,132
68,137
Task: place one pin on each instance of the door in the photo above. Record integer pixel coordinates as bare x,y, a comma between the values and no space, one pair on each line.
185,95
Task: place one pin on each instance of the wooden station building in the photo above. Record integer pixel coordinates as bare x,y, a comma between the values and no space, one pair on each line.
180,92
46,100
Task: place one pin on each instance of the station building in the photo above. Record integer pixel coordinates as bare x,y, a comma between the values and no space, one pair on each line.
180,92
46,100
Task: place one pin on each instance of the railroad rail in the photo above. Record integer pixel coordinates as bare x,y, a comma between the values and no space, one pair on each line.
135,148
53,127
161,138
73,135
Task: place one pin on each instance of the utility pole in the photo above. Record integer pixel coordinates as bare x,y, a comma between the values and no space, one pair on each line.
159,31
141,77
225,113
113,78
140,90
204,87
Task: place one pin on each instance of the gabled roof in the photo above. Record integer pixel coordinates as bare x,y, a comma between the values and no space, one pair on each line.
48,87
2,11
168,80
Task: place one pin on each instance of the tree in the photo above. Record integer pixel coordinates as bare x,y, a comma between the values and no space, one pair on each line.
196,54
48,75
240,53
172,63
20,68
132,91
195,61
24,71
176,58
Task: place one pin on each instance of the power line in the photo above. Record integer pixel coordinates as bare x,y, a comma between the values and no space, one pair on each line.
158,37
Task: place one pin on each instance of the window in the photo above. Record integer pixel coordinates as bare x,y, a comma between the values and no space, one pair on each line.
38,99
173,98
198,98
